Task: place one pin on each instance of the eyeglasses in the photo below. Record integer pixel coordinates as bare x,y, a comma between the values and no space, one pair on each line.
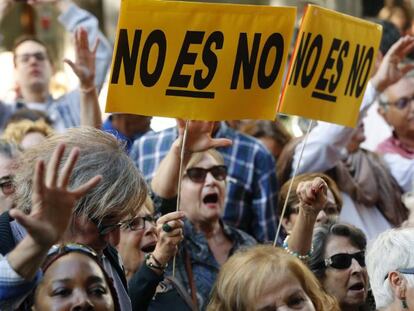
402,103
403,271
104,229
24,58
344,260
198,174
7,185
138,223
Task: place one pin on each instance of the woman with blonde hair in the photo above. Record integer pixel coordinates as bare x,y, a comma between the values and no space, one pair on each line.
264,278
27,133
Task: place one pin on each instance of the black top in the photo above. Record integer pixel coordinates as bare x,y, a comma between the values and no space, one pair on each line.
142,287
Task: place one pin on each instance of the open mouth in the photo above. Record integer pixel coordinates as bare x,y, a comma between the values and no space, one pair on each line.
149,248
357,286
211,198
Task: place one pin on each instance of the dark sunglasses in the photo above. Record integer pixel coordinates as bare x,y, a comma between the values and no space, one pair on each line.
344,261
403,102
24,58
198,174
7,185
138,223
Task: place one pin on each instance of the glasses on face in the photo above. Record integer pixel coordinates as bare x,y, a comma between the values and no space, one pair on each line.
138,223
403,271
24,58
198,174
402,103
105,229
7,185
344,261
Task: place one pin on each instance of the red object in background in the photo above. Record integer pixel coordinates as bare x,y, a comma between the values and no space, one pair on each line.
45,22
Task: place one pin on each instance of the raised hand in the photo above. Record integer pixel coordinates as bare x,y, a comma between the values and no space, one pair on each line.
52,201
199,136
312,196
168,240
391,70
84,65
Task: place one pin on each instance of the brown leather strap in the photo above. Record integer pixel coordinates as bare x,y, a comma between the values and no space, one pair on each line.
189,271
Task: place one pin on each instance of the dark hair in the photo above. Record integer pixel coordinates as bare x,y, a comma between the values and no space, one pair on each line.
320,238
24,38
390,34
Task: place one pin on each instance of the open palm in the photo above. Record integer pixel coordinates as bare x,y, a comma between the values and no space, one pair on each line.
52,201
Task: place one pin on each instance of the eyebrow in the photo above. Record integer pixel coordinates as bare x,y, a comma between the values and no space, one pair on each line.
91,279
95,279
65,280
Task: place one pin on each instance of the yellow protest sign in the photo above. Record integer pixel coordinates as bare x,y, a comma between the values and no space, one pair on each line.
333,58
199,61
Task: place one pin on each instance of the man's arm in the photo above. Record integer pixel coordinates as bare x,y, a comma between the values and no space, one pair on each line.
13,287
72,17
84,68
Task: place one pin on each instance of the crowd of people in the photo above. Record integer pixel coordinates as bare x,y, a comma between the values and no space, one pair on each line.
98,215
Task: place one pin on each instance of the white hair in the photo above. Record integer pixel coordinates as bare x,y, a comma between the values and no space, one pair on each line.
392,250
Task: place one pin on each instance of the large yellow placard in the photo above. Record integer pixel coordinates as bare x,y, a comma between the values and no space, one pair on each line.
333,59
199,61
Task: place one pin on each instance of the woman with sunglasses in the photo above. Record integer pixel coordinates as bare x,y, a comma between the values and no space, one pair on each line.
334,252
73,279
390,264
338,261
208,241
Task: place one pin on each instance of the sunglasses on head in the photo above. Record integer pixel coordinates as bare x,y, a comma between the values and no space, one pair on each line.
198,174
344,260
71,247
57,251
